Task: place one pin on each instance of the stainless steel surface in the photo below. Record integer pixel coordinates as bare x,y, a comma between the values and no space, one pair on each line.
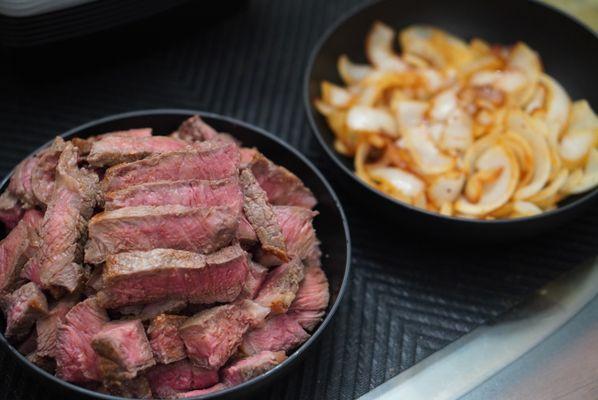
465,364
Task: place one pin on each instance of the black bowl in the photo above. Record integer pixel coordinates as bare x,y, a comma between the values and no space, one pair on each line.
330,224
569,51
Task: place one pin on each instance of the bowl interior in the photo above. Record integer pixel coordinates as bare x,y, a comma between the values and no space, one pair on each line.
330,224
568,50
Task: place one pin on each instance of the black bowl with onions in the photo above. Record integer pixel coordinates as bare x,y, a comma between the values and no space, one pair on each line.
568,49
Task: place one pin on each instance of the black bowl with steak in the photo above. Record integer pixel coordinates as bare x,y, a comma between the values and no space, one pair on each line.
164,254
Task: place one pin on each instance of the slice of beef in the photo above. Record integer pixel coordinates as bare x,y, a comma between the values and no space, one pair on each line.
114,150
207,160
194,129
247,155
201,229
280,333
212,336
84,145
15,248
55,264
280,287
200,392
125,344
245,233
76,361
94,282
20,183
24,306
152,310
251,367
137,388
255,278
312,299
47,327
10,210
44,171
164,338
190,193
141,277
29,345
297,229
314,257
167,380
282,186
260,215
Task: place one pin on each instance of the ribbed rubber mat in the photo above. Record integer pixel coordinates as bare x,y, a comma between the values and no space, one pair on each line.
408,297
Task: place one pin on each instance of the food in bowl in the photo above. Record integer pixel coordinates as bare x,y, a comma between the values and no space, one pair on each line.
158,266
462,129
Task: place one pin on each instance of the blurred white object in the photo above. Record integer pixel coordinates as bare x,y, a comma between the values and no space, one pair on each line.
28,8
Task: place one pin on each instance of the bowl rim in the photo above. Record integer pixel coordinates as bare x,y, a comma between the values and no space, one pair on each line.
336,157
294,357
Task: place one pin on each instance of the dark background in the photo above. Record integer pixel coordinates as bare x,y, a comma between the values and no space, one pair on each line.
409,296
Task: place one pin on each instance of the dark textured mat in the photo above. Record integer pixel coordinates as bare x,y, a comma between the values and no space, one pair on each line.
408,298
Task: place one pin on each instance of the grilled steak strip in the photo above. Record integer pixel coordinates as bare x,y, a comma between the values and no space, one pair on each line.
10,210
24,306
206,160
84,145
201,229
147,276
260,215
250,367
14,248
282,186
167,380
63,226
20,183
124,350
280,287
165,341
114,150
279,333
194,129
312,298
76,361
190,193
255,279
299,234
47,327
212,336
43,172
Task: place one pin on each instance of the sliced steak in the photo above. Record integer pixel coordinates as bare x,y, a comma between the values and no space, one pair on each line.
15,247
255,278
312,299
280,287
10,210
247,155
167,380
213,335
114,150
190,193
44,171
124,344
152,310
201,229
297,229
251,367
24,306
20,182
260,215
76,361
280,333
194,129
63,228
84,145
137,388
245,233
282,186
164,337
207,160
140,277
47,327
200,392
